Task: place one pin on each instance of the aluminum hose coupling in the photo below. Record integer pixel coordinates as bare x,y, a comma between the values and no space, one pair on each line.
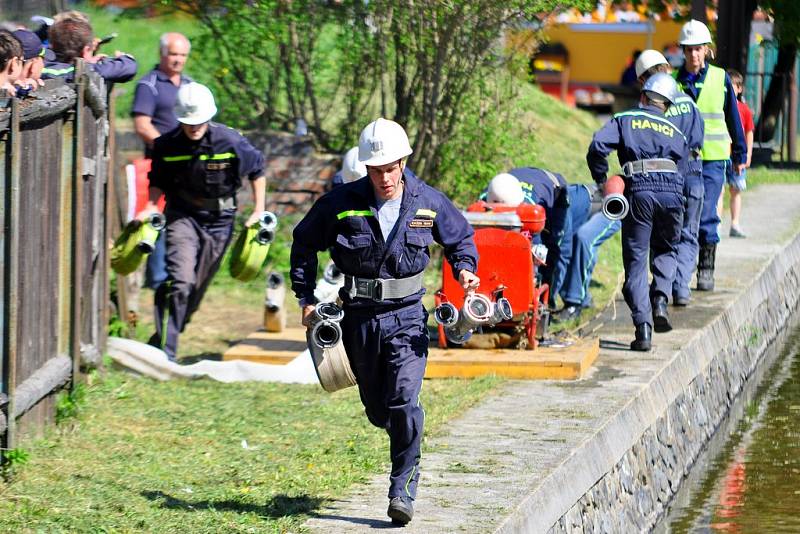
326,332
478,310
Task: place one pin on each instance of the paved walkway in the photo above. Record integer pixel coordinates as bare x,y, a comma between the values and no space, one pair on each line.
519,450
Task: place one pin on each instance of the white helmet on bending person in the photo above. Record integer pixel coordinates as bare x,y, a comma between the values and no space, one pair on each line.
352,169
505,189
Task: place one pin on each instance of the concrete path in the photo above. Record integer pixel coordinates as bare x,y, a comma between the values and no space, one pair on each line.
527,454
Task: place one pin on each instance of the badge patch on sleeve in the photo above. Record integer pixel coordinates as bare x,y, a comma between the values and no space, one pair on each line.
218,166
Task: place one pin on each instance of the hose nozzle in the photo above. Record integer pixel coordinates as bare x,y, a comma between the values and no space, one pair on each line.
615,206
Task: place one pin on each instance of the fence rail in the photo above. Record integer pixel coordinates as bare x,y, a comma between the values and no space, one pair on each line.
55,159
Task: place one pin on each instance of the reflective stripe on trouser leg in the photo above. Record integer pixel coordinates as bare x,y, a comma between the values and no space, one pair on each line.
388,352
713,180
688,246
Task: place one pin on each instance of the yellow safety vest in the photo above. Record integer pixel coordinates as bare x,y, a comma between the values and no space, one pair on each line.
711,103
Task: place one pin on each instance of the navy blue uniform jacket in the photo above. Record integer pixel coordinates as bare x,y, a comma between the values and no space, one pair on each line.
111,69
345,221
209,168
640,133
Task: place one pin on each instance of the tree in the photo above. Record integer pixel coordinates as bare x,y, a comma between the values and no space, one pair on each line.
338,65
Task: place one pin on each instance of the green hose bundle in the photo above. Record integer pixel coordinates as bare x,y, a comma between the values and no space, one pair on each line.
251,248
137,240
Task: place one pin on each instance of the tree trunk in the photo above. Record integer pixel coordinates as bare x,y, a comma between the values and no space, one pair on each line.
773,102
698,10
733,33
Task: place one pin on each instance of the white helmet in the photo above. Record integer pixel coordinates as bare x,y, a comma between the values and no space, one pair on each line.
649,59
694,33
352,169
194,104
381,142
505,189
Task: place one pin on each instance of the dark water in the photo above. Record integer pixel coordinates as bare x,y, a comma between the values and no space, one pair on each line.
749,480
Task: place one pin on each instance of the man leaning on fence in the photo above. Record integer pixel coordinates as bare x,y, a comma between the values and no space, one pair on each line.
72,38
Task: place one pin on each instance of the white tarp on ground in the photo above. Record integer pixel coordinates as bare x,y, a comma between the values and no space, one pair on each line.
150,361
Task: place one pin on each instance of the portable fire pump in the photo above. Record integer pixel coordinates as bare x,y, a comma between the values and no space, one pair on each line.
510,299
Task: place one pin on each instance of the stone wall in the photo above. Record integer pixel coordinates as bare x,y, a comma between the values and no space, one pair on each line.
296,174
633,495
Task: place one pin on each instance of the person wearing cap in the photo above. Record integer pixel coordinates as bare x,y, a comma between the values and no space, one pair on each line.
549,190
153,114
378,229
72,38
653,154
687,117
198,166
723,140
10,61
351,170
33,61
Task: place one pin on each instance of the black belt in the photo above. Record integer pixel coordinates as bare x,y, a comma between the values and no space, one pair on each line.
210,204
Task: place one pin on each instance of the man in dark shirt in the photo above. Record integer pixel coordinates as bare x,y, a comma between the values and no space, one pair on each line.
153,115
199,167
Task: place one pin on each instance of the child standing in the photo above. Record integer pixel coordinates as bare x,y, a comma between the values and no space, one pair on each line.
738,183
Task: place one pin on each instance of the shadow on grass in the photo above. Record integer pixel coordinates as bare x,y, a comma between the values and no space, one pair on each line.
277,506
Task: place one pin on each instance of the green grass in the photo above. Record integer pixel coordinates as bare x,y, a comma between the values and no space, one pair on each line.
139,35
170,457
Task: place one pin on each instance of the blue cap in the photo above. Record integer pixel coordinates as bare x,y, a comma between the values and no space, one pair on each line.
31,44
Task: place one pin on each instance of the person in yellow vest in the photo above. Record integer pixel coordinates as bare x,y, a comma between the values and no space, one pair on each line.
723,141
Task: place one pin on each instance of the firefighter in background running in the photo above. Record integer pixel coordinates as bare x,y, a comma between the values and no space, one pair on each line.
198,166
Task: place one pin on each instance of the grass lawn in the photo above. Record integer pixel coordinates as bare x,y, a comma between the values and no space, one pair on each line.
200,456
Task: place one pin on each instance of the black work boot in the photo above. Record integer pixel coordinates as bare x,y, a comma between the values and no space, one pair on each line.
644,338
705,267
660,315
401,510
680,301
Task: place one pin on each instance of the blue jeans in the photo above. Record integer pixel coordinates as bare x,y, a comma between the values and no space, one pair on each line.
155,272
585,244
714,173
580,204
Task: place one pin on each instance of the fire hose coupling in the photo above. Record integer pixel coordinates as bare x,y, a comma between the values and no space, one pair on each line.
477,311
148,234
268,223
274,281
615,205
326,332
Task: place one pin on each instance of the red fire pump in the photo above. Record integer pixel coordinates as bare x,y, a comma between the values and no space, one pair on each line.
507,269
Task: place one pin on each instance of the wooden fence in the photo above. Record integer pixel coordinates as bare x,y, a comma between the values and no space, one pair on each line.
55,158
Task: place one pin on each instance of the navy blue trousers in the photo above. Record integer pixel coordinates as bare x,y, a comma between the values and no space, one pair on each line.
196,243
388,352
688,245
714,173
653,226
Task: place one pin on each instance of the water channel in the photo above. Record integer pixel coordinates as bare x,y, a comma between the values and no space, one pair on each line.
749,478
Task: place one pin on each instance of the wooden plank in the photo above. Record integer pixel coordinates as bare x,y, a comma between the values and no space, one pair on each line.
269,347
565,363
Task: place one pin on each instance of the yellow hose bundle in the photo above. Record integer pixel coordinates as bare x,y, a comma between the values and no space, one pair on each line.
137,240
251,248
